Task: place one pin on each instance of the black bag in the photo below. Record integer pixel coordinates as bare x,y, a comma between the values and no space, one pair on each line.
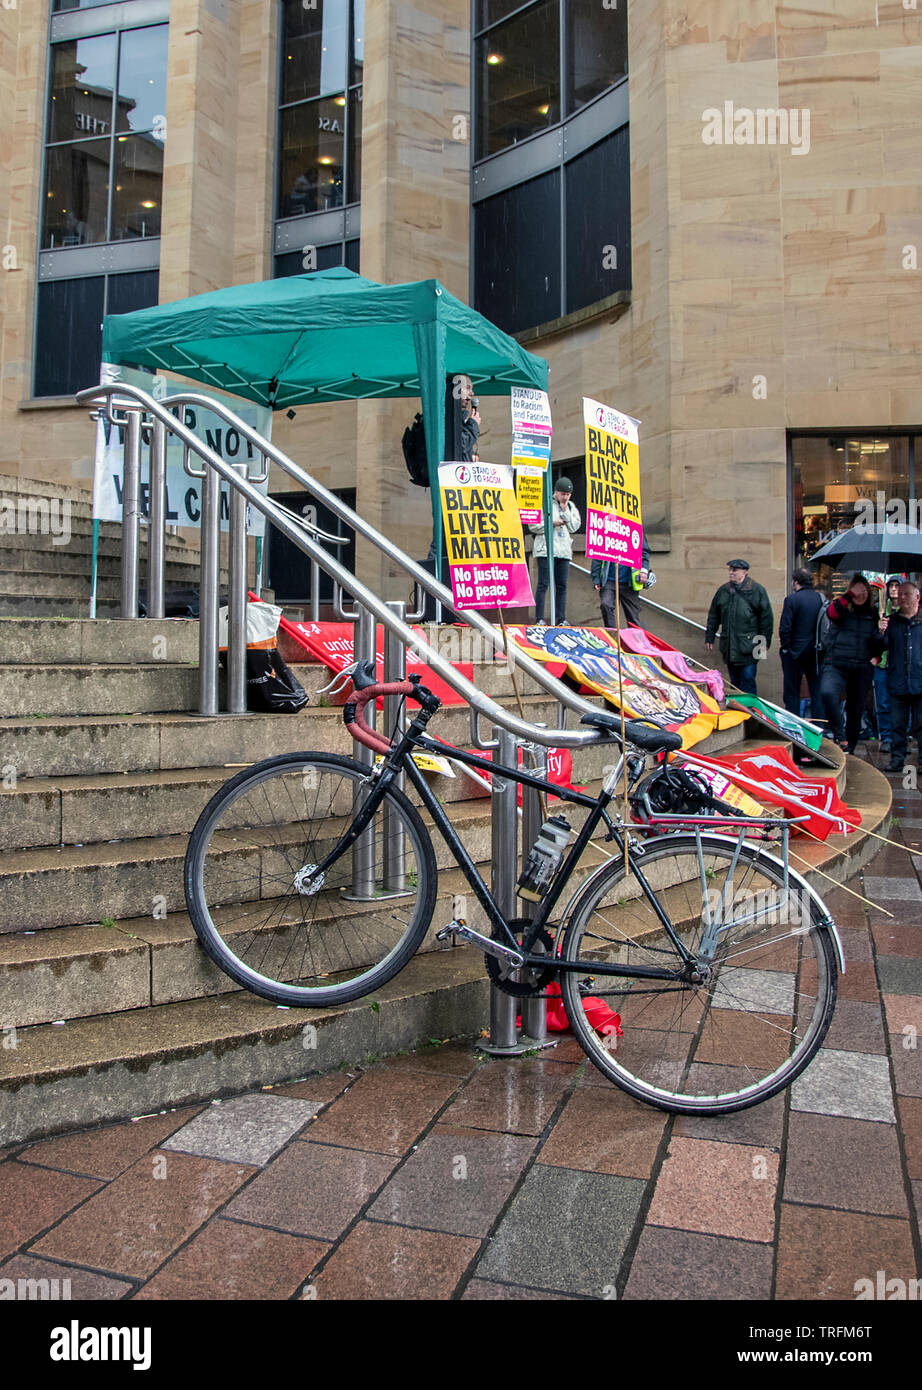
272,688
414,451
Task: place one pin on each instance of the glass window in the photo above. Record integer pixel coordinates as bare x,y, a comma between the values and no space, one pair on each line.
352,255
141,101
518,78
354,189
60,5
596,50
68,335
138,185
537,63
76,193
78,173
490,11
82,83
137,290
311,157
512,290
832,476
358,40
597,207
314,49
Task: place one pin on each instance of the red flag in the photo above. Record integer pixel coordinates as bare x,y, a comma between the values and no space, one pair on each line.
782,783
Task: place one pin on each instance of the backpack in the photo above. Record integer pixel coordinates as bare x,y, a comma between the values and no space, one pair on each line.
414,452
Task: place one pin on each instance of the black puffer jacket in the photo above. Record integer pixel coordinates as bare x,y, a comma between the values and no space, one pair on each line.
852,632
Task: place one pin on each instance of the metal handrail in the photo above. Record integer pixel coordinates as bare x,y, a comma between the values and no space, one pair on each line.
658,606
102,396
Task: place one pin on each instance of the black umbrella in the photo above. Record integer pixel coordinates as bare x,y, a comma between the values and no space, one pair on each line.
878,548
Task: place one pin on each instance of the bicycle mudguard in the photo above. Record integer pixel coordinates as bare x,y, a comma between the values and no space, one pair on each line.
826,918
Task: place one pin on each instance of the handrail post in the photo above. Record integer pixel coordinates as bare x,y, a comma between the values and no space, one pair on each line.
363,854
156,533
130,490
237,599
208,593
503,1038
395,669
534,1010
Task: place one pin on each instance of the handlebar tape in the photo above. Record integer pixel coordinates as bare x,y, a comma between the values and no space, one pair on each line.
354,719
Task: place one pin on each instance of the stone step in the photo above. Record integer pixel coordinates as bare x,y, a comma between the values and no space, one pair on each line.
113,1066
70,561
80,884
57,587
22,606
50,690
91,641
75,536
74,972
61,746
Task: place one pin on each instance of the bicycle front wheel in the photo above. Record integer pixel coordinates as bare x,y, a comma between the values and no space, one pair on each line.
271,918
760,1011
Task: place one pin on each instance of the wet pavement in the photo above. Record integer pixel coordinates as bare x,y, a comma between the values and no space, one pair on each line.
442,1175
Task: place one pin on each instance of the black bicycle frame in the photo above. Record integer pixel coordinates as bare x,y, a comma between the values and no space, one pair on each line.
400,759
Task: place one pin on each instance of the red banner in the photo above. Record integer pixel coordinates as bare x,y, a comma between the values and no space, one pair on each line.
781,783
331,644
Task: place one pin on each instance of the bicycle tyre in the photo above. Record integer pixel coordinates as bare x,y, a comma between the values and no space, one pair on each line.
778,968
270,890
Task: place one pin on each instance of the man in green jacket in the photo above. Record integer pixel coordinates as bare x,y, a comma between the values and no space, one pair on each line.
742,611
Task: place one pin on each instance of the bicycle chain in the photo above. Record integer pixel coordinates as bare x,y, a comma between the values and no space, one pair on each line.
534,978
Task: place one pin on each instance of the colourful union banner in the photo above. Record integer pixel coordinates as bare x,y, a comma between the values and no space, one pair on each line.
591,657
483,535
614,527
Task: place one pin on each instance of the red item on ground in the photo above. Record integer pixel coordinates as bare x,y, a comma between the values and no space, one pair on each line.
602,1018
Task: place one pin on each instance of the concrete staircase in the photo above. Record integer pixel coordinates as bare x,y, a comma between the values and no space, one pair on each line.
108,1005
45,553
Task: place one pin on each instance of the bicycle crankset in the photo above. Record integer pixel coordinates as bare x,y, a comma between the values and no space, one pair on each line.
532,978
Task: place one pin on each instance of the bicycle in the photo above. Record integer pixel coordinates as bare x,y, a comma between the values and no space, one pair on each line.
311,880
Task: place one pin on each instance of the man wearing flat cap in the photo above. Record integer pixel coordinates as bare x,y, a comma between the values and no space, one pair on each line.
743,613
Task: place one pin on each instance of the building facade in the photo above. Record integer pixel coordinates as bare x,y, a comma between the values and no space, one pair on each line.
706,215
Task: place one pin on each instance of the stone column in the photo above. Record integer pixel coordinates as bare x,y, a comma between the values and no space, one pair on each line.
415,219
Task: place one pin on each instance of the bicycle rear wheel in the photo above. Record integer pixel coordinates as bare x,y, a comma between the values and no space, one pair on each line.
270,919
737,1036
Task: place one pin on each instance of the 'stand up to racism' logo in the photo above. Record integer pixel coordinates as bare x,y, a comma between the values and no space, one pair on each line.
462,474
609,419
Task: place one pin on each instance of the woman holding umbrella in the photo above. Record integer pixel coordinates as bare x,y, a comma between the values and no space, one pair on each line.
847,652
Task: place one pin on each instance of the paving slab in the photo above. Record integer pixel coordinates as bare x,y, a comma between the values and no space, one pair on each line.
565,1230
248,1129
837,1082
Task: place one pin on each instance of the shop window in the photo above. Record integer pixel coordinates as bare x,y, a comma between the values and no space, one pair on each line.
836,478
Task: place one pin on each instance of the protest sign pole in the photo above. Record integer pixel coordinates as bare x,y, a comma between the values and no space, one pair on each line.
549,535
621,707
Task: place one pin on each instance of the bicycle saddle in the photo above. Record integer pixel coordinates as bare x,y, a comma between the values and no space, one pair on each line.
646,736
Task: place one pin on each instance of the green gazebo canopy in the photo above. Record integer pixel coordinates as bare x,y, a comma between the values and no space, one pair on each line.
330,335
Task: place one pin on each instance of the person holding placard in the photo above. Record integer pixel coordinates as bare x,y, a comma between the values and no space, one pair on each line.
566,524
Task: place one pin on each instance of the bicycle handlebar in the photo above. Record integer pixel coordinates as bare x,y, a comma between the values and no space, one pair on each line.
354,719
